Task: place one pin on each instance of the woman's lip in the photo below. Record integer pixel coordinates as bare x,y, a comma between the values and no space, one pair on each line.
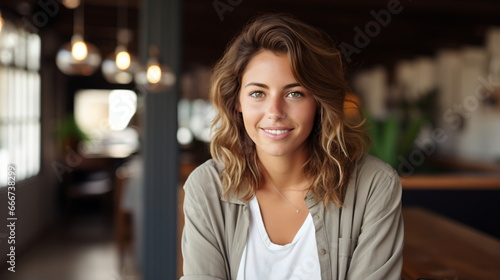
277,128
276,133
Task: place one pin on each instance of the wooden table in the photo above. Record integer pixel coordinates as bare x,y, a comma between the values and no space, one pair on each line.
438,248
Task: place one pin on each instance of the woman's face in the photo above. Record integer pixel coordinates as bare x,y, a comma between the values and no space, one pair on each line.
278,113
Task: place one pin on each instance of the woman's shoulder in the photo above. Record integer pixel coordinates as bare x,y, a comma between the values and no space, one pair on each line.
372,180
208,168
205,177
371,168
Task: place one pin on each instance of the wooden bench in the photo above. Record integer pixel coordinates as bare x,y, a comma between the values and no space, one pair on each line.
438,248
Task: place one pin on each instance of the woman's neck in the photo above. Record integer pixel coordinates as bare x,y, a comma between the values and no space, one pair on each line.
285,173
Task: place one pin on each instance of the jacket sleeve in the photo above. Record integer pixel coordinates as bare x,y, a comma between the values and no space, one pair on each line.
378,253
203,258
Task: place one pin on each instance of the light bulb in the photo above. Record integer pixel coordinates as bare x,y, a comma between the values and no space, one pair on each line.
79,50
153,74
123,60
154,77
119,67
71,4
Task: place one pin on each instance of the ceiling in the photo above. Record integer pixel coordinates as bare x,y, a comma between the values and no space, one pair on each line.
421,28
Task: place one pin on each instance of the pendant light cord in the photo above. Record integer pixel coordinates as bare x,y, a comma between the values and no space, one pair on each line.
122,32
155,45
79,14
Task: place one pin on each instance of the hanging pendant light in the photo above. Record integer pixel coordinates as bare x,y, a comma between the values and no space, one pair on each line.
119,67
78,57
155,77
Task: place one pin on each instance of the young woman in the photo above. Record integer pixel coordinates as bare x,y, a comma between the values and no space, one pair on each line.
290,192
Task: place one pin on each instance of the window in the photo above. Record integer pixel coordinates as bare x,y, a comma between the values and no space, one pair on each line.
19,102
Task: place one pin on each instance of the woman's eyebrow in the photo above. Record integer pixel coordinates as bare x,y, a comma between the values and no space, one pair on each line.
266,87
257,84
291,86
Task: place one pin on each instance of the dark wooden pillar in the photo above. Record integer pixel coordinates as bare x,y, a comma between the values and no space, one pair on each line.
160,25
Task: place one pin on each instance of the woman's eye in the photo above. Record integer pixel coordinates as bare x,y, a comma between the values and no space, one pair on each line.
295,94
257,94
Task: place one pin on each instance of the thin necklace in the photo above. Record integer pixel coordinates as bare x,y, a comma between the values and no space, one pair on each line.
297,210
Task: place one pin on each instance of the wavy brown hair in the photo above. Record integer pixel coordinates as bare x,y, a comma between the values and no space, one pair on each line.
335,144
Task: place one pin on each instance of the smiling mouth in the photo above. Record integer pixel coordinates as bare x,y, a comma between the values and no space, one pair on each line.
277,131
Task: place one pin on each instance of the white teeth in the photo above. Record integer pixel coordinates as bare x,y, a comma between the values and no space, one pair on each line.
275,131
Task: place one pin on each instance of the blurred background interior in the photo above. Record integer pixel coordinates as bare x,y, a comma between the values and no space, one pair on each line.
104,113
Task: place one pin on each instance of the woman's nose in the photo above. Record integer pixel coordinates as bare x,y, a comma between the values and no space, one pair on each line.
276,109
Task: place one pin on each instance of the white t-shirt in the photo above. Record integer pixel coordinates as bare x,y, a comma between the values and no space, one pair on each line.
262,259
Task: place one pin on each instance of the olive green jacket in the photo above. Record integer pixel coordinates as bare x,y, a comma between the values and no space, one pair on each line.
361,241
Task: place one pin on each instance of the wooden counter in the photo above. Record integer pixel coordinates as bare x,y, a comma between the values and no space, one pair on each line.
438,248
452,182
